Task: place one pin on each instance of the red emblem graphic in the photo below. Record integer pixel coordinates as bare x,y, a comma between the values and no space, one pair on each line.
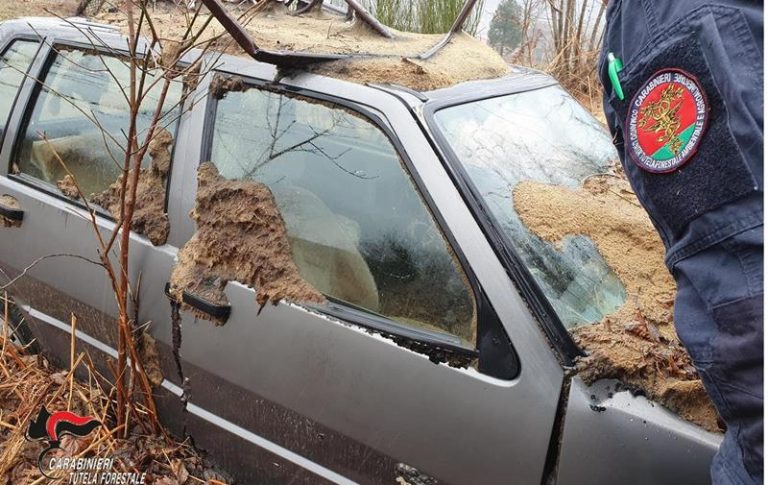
51,427
666,122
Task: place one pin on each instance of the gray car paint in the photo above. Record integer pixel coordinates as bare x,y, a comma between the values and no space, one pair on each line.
596,449
305,371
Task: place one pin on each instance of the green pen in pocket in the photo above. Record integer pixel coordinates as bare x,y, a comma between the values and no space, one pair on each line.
614,66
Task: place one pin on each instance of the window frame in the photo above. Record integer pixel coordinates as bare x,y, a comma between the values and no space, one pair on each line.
501,359
52,45
19,38
540,305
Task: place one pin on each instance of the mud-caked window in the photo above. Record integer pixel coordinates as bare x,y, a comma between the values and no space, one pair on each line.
14,64
81,117
358,229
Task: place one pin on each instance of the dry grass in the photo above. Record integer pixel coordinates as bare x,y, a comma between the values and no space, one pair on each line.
28,382
575,28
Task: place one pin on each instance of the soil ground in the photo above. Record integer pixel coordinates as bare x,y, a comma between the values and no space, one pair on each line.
10,9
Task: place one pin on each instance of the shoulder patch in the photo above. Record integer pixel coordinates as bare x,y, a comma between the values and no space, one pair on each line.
666,121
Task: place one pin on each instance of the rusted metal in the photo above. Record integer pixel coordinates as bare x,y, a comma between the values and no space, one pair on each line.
244,40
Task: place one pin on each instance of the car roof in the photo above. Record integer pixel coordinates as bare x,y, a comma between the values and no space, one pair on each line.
79,29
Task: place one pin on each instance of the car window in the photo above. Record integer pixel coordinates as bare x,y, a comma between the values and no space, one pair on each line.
541,136
83,112
14,64
359,231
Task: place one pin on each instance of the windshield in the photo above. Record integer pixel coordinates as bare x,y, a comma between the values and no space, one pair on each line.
541,136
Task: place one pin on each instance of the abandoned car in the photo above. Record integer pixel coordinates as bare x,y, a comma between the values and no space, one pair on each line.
426,306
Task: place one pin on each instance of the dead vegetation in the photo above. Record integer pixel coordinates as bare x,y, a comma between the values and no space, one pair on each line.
567,47
577,35
636,344
240,236
29,382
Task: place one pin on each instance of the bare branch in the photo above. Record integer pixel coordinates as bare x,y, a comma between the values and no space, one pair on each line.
369,19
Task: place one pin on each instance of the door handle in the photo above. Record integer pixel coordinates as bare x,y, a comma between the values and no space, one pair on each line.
219,312
11,213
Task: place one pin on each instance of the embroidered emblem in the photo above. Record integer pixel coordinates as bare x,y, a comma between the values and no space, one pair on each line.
666,121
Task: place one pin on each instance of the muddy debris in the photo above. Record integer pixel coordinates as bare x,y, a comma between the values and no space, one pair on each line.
661,370
11,203
624,237
240,236
149,218
636,344
379,60
463,59
435,353
68,187
220,85
150,357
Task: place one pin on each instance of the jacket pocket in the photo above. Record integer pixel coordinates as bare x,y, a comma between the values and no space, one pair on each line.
721,166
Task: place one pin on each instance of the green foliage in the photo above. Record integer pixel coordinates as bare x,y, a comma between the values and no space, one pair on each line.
506,31
424,16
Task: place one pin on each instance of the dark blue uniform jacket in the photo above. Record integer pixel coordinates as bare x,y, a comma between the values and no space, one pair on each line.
708,211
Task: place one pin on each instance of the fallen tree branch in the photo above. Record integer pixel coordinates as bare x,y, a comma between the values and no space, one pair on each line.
244,40
369,19
458,24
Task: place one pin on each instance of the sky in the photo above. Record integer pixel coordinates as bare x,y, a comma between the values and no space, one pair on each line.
489,7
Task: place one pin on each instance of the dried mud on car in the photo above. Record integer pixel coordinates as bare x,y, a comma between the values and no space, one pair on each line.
240,236
149,218
636,344
381,60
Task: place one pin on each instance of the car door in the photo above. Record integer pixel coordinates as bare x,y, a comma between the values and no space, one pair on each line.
422,362
75,111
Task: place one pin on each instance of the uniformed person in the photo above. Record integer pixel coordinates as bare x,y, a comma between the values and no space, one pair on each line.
684,100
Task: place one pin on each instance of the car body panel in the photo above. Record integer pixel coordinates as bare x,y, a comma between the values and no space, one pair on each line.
611,436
